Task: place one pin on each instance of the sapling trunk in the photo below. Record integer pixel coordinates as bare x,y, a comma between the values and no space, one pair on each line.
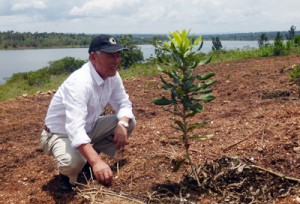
186,142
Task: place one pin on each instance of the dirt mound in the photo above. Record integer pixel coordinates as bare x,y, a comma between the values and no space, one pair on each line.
234,180
254,119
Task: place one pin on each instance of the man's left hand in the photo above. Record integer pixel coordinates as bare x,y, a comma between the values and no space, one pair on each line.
120,136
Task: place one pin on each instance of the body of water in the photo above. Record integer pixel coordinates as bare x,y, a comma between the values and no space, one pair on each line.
14,61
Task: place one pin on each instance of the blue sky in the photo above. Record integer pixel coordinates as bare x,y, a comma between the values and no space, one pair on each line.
148,16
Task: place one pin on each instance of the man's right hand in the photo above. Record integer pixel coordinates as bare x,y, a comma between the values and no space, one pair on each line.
101,169
102,172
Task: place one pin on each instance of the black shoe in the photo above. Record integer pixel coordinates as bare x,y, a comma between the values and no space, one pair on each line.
64,184
87,171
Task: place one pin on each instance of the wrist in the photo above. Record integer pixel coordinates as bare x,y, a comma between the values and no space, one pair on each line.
123,123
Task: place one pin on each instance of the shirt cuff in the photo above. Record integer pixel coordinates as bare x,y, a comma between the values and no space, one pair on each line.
82,139
125,112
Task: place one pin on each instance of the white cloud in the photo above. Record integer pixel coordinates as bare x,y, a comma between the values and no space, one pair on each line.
33,4
96,8
149,16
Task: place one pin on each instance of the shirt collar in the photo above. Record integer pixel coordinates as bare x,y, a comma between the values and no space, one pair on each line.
99,81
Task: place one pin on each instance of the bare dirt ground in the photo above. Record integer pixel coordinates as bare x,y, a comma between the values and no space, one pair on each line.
255,119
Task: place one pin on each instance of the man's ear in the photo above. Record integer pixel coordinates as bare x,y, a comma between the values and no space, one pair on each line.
92,56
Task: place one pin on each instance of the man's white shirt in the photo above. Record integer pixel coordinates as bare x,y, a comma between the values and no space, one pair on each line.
81,99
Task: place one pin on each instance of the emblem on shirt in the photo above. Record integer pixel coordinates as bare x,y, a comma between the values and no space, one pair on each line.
112,40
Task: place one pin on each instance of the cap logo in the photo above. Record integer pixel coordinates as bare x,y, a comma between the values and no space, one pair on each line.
112,40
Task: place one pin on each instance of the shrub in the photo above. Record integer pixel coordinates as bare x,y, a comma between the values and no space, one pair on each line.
187,91
134,54
217,45
42,76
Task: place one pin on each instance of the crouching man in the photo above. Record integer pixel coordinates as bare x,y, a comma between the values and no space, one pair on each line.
74,132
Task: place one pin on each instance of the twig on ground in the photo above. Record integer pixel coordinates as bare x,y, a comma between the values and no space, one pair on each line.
92,192
276,173
242,140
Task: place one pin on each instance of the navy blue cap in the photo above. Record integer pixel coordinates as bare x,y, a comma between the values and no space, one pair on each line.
106,43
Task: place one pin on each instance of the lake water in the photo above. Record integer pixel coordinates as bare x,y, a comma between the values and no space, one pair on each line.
14,61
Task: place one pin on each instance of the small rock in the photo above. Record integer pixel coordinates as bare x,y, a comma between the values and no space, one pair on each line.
260,149
296,149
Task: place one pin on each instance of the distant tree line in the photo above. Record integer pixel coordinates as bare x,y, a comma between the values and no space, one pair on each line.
11,39
279,47
247,36
282,45
14,40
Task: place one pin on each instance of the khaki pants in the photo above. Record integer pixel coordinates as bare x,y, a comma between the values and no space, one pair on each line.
69,160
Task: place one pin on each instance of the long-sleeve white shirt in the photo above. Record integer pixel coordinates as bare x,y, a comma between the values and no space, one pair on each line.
81,99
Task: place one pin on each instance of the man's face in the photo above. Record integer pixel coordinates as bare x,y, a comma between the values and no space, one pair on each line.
106,64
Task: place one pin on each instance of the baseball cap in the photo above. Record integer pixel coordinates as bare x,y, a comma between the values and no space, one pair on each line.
105,43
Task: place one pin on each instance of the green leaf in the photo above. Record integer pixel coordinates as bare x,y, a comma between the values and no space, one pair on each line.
162,79
187,53
186,44
200,46
197,125
177,60
195,107
205,76
162,101
177,39
193,66
206,91
180,125
198,107
202,137
178,165
197,87
167,86
210,82
204,62
198,39
167,45
206,98
191,114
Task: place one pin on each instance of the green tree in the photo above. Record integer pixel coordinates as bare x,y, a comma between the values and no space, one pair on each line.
263,40
134,54
187,90
297,40
217,45
279,48
291,33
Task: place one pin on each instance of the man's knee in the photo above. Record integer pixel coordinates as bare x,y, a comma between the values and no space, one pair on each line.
71,163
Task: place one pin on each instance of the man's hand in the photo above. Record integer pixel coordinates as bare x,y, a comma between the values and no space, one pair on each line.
120,136
102,172
101,169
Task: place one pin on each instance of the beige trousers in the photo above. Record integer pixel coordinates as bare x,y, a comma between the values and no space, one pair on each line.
69,160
